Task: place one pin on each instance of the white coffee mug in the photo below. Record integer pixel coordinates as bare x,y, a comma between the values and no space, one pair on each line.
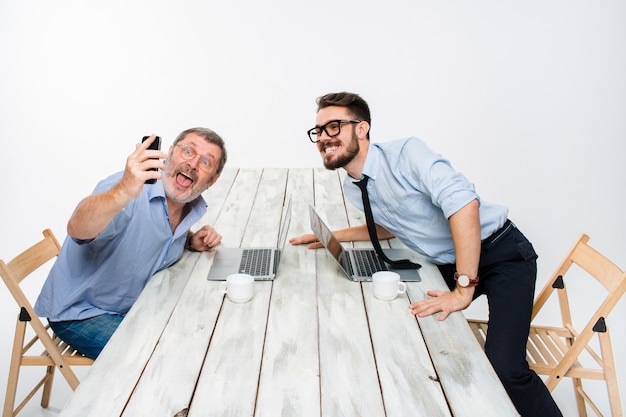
386,285
238,287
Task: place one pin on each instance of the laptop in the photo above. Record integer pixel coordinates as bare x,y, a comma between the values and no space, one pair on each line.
259,262
359,264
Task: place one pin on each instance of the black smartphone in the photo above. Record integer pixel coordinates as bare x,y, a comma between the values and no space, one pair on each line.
155,145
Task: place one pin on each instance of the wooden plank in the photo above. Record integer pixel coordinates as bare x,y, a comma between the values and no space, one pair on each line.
215,197
408,379
168,382
289,379
233,219
265,218
462,367
229,379
125,356
349,380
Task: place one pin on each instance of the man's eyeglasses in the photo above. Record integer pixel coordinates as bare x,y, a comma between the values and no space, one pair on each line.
188,153
332,128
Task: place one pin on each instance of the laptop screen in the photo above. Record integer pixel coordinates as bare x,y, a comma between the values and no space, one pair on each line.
282,237
326,237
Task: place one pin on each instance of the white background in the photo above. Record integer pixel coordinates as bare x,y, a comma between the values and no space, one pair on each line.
527,99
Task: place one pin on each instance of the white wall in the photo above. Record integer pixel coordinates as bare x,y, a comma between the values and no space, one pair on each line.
527,99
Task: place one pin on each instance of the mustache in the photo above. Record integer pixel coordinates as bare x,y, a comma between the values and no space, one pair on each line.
328,142
187,171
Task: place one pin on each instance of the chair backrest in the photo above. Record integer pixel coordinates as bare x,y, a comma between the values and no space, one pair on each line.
56,354
605,272
613,279
25,263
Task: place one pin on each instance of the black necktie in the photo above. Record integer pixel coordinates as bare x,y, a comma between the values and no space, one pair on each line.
371,229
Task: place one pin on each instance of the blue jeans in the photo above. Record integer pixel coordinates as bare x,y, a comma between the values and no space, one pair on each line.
507,273
88,336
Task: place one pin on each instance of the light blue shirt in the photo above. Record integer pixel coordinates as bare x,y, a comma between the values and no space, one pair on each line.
107,274
413,191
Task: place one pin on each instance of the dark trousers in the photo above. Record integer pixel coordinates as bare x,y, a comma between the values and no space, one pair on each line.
507,272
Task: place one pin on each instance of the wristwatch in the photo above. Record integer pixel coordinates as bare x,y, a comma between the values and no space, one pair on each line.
465,281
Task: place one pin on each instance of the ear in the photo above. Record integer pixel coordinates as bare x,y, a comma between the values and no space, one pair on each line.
362,129
215,177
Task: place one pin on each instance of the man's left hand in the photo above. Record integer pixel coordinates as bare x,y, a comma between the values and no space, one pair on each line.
204,239
445,302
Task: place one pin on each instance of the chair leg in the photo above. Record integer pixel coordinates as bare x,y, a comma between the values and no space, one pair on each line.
14,369
610,375
47,387
580,400
9,400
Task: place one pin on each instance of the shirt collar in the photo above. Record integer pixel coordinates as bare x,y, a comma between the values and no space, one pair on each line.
372,162
155,190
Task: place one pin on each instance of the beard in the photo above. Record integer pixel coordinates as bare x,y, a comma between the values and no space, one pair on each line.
171,189
349,154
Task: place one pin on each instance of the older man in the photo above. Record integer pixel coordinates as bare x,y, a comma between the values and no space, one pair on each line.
127,230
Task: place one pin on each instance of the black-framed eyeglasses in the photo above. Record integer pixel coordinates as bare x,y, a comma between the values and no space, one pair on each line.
332,128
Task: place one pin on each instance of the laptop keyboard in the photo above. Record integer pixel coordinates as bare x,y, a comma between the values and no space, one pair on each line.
367,262
256,262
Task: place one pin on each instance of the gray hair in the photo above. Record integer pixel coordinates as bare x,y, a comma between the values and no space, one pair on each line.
211,137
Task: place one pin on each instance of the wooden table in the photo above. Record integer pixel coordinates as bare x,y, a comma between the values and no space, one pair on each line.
310,343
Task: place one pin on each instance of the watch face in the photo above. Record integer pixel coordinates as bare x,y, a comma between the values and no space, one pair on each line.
463,280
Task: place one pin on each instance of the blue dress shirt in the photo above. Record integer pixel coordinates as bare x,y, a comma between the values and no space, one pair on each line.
107,274
413,191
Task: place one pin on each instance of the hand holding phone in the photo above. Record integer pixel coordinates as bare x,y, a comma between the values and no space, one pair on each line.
155,145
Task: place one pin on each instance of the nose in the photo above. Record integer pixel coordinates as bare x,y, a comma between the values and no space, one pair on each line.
193,162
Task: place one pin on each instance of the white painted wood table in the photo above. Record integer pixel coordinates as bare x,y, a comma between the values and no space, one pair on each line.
310,343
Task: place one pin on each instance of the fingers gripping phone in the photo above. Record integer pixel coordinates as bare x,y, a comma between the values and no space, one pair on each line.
155,145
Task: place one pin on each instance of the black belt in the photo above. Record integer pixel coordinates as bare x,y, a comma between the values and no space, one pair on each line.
508,225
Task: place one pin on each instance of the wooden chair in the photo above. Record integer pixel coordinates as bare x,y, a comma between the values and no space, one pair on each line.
55,354
556,351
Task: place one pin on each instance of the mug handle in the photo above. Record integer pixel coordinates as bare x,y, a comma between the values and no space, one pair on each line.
401,287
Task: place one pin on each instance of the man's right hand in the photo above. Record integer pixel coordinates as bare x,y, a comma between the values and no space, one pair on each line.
138,168
308,238
95,212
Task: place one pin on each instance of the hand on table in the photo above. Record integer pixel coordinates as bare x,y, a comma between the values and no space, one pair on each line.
309,239
204,239
445,302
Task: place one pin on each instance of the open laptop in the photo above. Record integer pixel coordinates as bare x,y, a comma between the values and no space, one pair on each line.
259,262
359,264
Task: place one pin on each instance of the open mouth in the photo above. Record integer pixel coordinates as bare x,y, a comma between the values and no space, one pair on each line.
330,148
184,180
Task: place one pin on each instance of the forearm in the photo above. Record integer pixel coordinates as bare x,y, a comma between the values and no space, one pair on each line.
465,227
94,213
360,233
